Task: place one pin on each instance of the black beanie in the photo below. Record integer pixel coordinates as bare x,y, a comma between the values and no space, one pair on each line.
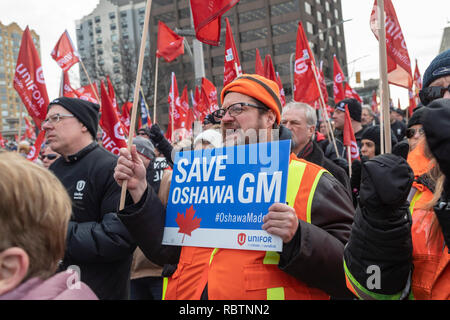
416,117
438,68
372,133
354,108
86,112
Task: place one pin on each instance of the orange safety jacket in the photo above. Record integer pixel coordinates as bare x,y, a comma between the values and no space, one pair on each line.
246,274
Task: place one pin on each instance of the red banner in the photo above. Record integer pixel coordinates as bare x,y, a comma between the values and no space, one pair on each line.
29,80
232,65
113,135
36,148
259,68
280,85
64,52
305,87
351,93
399,64
207,18
338,81
170,45
349,136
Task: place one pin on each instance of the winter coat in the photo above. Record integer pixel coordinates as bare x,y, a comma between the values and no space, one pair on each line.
97,241
58,287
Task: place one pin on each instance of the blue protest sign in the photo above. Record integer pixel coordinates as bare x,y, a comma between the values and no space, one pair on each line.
218,197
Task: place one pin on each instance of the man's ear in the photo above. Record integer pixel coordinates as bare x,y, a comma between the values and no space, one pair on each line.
14,263
271,118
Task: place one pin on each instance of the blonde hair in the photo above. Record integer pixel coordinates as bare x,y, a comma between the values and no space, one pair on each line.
34,213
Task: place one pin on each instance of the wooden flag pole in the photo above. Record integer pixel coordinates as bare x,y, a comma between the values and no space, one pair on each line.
136,93
155,93
324,111
384,92
90,82
145,103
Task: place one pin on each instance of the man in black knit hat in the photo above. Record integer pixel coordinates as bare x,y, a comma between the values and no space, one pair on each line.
98,244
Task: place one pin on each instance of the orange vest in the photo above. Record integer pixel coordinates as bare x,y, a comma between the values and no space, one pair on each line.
246,274
431,274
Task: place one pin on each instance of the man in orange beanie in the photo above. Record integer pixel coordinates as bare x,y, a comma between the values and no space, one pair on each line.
314,225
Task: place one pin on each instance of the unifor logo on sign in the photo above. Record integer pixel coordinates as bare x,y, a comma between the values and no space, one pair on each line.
241,238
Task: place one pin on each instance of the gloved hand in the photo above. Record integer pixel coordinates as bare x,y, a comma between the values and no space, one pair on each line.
385,184
436,124
156,134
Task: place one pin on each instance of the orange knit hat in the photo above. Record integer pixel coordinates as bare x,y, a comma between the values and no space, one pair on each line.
258,87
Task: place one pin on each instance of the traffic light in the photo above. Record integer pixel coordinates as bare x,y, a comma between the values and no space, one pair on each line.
358,77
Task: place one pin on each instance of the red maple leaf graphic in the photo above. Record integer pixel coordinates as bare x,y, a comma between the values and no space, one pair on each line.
188,222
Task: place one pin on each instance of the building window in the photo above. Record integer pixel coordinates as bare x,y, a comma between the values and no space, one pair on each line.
283,28
252,35
308,9
98,30
319,16
113,26
309,27
284,48
336,13
97,19
284,8
253,15
112,15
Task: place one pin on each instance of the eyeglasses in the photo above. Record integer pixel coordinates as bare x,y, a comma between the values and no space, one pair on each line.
411,132
50,156
55,118
429,94
235,109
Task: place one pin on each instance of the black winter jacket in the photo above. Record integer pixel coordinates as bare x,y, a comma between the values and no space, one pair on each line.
97,241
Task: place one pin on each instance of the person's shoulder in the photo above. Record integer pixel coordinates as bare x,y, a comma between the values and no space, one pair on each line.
103,156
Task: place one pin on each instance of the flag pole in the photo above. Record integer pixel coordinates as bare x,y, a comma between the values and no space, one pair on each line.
324,111
384,92
145,103
349,159
136,93
90,82
155,93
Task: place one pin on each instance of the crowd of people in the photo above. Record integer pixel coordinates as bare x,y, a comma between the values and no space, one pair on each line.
375,228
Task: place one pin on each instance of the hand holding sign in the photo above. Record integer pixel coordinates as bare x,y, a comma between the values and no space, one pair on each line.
281,221
130,168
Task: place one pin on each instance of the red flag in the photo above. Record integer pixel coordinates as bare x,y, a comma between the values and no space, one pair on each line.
195,104
87,93
2,141
170,45
174,101
30,130
64,52
269,70
305,87
125,116
351,93
374,103
412,102
349,136
113,135
29,80
338,81
259,68
207,18
184,122
231,59
417,83
209,91
36,148
399,64
323,85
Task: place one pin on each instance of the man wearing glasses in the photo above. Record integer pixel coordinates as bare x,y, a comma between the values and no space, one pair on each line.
310,265
48,156
97,242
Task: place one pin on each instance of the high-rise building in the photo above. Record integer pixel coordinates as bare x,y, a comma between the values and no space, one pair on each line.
269,25
445,42
10,40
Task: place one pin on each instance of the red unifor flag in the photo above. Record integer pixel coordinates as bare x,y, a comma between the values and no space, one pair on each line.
30,130
269,70
87,93
338,81
113,136
351,93
259,68
36,148
64,52
399,64
66,89
170,45
184,122
305,87
174,101
349,136
207,18
209,92
417,82
29,80
195,104
374,103
412,102
232,65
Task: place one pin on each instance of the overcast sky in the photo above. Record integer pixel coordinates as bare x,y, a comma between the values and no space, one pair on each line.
422,23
